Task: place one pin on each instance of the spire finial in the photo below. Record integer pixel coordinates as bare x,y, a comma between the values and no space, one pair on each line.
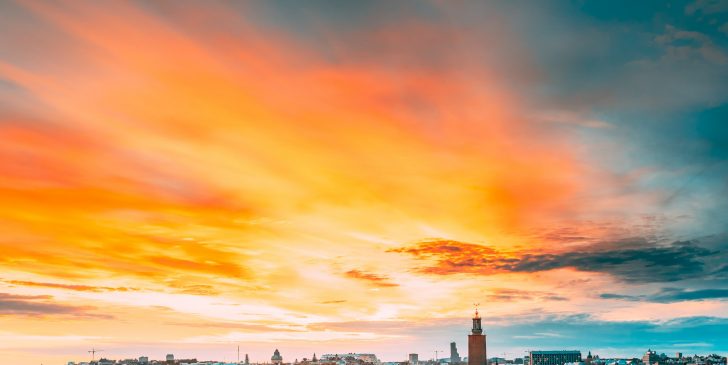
476,309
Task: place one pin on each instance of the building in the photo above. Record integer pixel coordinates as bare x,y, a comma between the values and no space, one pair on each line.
351,357
170,358
276,359
454,356
553,357
143,360
413,359
476,343
650,358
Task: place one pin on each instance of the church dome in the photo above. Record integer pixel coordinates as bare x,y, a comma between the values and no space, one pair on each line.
276,356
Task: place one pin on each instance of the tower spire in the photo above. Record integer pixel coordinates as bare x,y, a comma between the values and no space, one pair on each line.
477,327
476,342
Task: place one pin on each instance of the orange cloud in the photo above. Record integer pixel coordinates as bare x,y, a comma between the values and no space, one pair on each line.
77,287
455,257
376,280
135,154
41,305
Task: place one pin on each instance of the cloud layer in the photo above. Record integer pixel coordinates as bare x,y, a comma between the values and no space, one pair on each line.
268,172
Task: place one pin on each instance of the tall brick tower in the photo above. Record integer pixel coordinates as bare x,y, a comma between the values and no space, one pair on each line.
476,342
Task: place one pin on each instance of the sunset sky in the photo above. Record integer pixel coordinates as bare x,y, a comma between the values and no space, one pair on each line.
326,176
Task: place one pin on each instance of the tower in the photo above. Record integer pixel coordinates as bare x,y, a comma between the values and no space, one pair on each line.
476,342
454,355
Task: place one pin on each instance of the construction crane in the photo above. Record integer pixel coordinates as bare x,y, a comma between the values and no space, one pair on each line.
437,352
93,353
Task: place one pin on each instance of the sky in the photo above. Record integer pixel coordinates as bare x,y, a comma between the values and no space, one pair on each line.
325,176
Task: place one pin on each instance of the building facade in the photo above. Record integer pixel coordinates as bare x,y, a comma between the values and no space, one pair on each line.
413,359
651,358
553,357
476,343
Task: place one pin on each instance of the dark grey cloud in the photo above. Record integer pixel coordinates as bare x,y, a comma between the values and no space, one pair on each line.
636,261
631,298
512,295
41,305
673,295
670,295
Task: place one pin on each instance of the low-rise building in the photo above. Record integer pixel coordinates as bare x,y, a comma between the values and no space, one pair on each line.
553,357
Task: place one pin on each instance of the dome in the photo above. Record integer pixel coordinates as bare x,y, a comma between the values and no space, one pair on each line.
276,356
